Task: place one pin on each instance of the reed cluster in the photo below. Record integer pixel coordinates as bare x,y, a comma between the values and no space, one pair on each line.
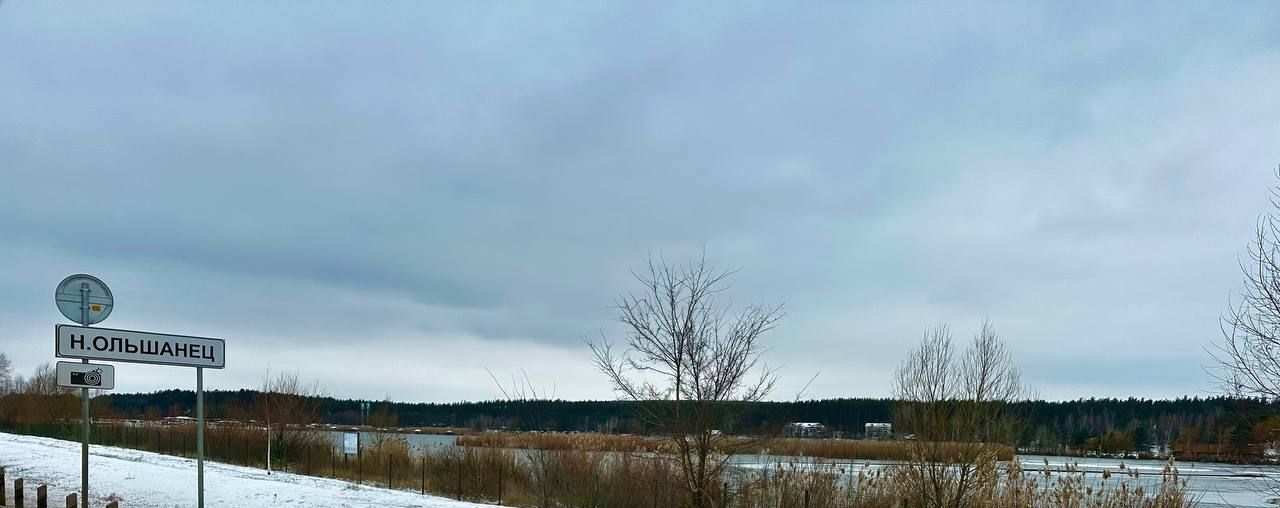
1003,485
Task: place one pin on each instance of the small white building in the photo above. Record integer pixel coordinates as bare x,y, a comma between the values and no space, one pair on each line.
878,430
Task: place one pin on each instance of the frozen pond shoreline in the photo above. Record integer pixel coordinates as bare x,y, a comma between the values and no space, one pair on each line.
1217,484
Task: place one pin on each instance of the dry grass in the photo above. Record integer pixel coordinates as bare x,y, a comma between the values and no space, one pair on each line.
856,449
846,449
578,470
835,486
589,442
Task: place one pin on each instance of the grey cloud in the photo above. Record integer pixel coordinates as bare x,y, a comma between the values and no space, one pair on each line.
311,174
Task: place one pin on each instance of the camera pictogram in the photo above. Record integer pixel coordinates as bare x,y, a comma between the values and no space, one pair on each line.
90,378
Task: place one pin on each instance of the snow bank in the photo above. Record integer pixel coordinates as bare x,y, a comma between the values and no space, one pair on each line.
145,479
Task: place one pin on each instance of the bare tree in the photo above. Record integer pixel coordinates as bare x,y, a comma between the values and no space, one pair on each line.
6,374
685,358
956,410
546,470
1247,361
286,406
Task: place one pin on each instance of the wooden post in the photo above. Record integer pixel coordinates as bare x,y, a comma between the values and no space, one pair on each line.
17,492
42,496
71,500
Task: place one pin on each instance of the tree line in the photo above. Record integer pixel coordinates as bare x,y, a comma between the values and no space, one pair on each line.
1106,424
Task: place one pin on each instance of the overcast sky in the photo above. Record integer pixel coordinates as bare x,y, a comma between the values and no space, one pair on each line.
394,197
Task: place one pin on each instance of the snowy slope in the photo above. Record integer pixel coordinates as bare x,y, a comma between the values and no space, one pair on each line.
144,479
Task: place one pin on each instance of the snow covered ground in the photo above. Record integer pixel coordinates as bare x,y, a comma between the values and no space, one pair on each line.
144,479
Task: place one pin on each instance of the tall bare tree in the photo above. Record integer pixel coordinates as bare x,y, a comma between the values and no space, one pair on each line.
957,410
286,406
684,359
1247,360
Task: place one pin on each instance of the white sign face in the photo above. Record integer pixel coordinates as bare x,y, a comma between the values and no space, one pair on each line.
86,375
351,443
139,347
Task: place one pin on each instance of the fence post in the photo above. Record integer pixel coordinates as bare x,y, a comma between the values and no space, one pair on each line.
17,492
71,500
42,496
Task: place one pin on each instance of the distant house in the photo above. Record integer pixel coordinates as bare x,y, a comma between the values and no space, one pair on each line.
805,429
878,430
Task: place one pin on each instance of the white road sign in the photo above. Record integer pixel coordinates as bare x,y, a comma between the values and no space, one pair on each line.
86,375
139,347
350,443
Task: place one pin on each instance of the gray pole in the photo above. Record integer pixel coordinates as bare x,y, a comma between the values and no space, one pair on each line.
200,436
84,407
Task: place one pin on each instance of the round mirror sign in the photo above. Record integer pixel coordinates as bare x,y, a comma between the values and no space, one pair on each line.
83,299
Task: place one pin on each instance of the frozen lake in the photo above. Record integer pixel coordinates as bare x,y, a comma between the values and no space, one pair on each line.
1217,484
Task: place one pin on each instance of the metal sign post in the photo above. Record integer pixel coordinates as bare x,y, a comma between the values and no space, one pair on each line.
200,437
86,300
89,302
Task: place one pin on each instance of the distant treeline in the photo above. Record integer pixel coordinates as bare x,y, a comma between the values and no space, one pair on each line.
1104,425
